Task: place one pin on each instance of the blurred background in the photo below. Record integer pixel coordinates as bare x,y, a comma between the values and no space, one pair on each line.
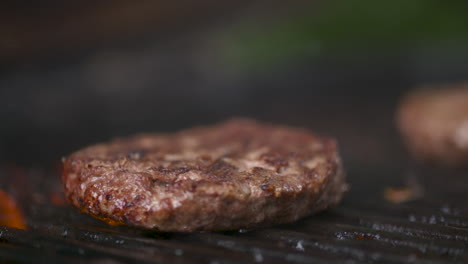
80,72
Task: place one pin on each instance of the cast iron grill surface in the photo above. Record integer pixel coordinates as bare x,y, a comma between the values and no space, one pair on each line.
365,228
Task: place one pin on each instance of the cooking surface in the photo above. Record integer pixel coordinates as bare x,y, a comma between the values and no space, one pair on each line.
366,227
338,71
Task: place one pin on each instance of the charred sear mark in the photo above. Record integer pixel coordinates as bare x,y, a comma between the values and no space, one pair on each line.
81,201
220,170
276,160
175,171
159,182
136,154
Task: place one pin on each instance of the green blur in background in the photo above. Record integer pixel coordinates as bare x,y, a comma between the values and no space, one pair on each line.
345,27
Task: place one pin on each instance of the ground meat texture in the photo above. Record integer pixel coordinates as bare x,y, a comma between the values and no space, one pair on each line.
232,175
434,124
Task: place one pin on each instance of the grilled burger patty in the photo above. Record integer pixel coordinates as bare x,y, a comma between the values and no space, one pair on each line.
434,124
236,174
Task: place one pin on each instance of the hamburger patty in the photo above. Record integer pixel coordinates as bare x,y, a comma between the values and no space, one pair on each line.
434,124
236,174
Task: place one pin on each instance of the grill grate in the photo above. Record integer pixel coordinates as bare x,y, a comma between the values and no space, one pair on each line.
428,230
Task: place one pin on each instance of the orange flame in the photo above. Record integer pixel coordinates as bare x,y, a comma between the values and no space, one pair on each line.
10,214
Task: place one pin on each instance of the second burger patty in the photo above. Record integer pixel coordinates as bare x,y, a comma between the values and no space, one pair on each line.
236,174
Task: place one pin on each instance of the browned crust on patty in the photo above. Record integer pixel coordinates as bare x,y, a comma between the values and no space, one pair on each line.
434,124
236,174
